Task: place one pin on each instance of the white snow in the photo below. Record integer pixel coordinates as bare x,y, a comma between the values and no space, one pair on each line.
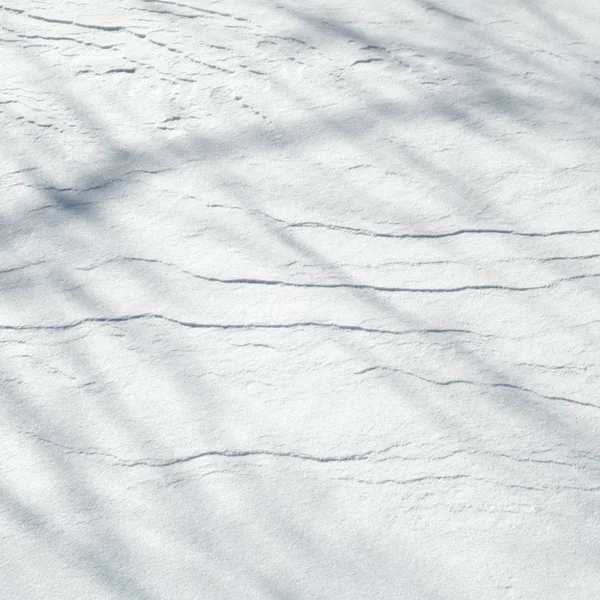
299,299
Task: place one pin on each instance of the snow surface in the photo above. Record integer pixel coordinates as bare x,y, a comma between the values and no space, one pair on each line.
300,300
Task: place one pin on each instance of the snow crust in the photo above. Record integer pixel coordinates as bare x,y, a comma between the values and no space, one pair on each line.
299,299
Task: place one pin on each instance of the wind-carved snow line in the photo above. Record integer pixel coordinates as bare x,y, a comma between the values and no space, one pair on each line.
148,462
22,267
170,12
194,8
425,478
360,286
288,38
543,488
122,28
168,462
67,39
418,236
241,326
443,234
450,261
124,178
53,21
451,382
480,455
185,55
17,11
365,61
403,481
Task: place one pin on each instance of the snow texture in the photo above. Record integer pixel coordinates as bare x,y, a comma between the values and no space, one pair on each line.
300,299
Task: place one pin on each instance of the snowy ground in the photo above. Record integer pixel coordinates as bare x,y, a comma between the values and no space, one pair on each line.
300,300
